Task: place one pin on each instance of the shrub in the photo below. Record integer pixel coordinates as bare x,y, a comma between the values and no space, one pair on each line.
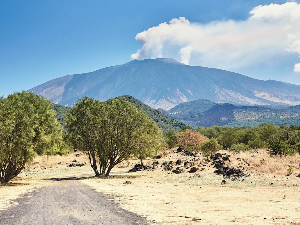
239,147
257,143
277,146
190,137
210,147
170,138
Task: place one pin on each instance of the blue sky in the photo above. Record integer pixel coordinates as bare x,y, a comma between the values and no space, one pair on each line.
43,40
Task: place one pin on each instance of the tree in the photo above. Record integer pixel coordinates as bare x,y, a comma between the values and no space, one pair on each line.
277,146
27,126
170,138
190,137
210,147
110,132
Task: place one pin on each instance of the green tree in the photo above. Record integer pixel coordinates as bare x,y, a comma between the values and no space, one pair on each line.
277,146
110,132
170,138
27,126
210,147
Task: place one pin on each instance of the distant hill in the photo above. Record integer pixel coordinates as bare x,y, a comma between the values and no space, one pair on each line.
206,113
164,122
165,83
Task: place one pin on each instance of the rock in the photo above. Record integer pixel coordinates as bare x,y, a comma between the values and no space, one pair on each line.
155,163
127,182
178,170
180,149
193,170
139,167
178,162
223,182
76,164
216,156
188,164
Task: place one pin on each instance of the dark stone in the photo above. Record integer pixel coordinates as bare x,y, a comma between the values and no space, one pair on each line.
193,170
155,163
226,158
76,164
188,164
178,170
223,182
216,156
178,162
127,182
139,167
180,149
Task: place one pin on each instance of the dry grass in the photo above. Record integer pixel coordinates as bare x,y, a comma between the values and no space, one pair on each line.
262,163
267,196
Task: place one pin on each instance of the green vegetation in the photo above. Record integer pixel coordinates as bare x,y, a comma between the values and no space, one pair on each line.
61,112
170,139
210,147
28,126
283,140
110,132
165,123
205,113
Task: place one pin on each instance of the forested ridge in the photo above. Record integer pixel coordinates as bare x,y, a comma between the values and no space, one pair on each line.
206,113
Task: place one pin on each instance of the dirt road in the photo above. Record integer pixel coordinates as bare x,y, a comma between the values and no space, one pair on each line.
67,202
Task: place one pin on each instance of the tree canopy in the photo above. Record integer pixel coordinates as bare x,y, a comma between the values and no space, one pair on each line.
110,132
27,126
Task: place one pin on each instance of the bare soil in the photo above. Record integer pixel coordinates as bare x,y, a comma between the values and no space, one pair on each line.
67,202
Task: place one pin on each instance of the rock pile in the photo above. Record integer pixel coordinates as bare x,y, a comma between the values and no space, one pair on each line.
193,163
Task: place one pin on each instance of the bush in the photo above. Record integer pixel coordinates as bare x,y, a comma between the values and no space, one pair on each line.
239,147
277,146
190,137
210,147
170,138
257,143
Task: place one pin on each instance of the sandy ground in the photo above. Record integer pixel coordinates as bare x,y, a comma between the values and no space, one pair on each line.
268,196
171,199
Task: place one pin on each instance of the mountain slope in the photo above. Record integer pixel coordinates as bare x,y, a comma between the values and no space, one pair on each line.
164,83
200,113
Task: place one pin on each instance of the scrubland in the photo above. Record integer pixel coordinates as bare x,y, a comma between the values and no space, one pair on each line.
267,193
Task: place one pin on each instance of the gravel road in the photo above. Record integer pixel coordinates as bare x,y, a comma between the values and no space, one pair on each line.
67,202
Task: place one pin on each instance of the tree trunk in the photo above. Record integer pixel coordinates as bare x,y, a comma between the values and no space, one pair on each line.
141,162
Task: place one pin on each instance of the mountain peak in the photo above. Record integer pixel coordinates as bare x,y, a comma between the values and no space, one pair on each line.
165,60
164,83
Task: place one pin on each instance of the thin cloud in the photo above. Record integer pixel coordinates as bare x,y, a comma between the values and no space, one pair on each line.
272,31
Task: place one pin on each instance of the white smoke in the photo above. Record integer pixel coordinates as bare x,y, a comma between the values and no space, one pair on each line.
270,32
297,67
